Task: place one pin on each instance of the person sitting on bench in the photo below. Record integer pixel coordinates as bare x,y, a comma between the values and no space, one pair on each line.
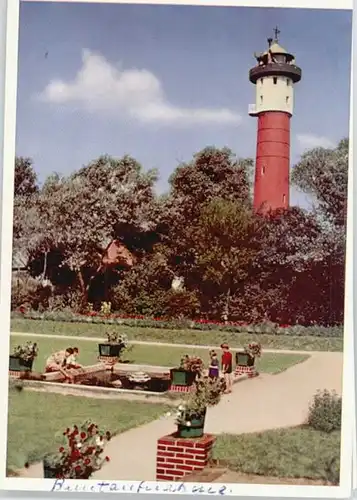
71,361
57,362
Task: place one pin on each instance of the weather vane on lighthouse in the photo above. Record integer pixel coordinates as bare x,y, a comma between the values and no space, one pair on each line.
274,77
276,33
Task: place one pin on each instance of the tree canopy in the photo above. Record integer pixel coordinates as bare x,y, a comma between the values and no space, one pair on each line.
287,265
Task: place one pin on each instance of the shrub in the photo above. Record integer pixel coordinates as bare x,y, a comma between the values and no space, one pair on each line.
331,467
180,304
29,292
325,411
180,324
71,301
81,453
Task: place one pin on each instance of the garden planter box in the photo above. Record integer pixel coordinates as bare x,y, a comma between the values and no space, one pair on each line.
243,359
195,430
20,365
182,377
110,350
49,471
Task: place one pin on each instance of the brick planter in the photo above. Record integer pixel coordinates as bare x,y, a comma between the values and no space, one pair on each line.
177,457
109,361
250,371
181,388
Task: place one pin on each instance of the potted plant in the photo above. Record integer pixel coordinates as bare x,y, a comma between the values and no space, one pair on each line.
23,357
80,455
115,345
247,357
190,367
191,413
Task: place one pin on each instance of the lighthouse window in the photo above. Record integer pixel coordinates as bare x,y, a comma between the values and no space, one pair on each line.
261,98
284,198
287,99
261,80
263,170
280,58
275,80
287,81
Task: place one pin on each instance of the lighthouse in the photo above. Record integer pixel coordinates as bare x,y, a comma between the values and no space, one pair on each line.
274,77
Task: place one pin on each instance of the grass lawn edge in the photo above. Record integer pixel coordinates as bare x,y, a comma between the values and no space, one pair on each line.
190,337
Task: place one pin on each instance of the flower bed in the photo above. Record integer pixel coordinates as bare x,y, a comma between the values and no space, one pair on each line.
115,345
184,324
23,357
81,454
191,412
185,375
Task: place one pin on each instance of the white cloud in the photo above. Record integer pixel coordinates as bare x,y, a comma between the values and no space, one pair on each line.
100,86
310,141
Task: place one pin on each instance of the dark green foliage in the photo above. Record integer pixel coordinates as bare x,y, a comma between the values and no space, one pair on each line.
325,411
25,177
286,268
29,292
324,173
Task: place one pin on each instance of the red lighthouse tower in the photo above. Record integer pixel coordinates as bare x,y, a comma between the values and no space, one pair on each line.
274,77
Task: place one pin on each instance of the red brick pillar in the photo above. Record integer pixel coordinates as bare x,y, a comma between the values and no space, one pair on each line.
178,457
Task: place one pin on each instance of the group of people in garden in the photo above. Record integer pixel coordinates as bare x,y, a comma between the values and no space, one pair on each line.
226,366
62,361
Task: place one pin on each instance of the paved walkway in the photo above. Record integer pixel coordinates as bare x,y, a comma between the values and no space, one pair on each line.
162,344
262,403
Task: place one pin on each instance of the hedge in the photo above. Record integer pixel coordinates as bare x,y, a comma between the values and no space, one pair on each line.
184,324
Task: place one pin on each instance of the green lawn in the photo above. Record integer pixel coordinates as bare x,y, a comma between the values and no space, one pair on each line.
290,453
214,337
147,354
37,420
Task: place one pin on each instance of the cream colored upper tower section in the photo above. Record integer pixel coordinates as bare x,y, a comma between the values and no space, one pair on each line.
274,93
274,77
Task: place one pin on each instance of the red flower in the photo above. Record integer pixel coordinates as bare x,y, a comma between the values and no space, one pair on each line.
87,461
83,435
61,449
107,459
78,468
75,454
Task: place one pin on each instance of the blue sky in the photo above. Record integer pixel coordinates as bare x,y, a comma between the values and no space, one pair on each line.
160,82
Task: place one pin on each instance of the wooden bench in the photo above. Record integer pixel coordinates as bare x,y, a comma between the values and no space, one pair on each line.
76,373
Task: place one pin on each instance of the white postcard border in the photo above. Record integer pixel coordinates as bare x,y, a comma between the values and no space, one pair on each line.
8,155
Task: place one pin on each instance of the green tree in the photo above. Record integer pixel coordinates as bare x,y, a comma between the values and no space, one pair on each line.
222,249
77,215
25,177
323,173
212,173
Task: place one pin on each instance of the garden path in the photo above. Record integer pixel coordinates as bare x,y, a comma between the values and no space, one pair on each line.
265,402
